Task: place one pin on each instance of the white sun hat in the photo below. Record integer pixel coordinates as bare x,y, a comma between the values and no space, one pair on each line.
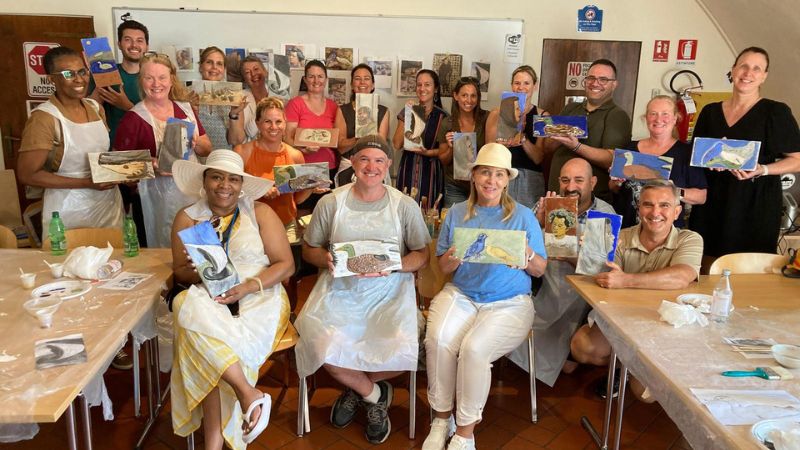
188,175
495,155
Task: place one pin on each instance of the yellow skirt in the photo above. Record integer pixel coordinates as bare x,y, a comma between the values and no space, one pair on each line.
198,364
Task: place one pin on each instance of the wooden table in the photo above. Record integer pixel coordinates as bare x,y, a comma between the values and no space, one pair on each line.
104,317
670,360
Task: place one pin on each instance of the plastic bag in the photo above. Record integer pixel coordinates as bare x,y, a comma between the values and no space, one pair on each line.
83,262
680,315
14,432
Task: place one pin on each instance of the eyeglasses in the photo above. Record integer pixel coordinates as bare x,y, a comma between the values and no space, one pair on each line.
70,74
601,80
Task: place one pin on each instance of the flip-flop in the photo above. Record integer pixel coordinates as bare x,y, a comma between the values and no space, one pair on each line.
265,403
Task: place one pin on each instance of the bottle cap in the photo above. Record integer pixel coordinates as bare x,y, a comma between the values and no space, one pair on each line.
726,272
55,214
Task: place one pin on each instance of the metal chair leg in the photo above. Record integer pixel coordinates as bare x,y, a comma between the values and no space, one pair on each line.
412,404
303,421
72,438
532,377
87,421
190,441
137,392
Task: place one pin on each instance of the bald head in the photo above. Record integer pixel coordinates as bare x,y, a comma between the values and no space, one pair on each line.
576,180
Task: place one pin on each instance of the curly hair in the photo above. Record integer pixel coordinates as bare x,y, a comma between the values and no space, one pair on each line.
569,216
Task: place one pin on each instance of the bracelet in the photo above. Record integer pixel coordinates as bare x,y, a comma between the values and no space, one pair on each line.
577,147
530,257
765,170
233,116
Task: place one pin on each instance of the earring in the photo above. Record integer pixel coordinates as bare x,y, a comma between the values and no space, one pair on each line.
241,194
202,191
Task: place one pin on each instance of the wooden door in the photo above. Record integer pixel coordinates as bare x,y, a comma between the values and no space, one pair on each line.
556,57
15,30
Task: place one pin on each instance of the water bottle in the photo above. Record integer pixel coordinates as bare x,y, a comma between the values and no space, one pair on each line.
58,242
109,269
722,298
131,239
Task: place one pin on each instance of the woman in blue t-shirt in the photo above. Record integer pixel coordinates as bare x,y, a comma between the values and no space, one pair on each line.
486,311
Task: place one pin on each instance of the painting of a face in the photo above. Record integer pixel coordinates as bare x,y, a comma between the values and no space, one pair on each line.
559,227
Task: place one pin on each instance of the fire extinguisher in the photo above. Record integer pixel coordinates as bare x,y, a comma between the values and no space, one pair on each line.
686,105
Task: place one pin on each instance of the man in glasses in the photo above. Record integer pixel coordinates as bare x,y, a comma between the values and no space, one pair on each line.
133,39
55,142
609,127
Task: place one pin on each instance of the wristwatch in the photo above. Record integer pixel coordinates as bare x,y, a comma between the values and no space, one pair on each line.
233,116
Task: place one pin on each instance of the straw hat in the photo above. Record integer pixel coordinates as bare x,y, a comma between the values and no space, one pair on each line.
495,155
188,175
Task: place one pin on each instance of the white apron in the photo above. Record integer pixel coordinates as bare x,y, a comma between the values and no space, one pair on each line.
367,324
161,198
250,335
81,208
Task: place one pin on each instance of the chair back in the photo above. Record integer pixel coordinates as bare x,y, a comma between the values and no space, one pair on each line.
749,263
32,219
98,237
7,238
431,280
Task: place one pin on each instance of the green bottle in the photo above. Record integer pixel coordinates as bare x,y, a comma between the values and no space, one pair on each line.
58,242
130,238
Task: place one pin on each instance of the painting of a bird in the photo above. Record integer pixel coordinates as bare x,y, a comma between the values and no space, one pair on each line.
366,263
503,255
476,248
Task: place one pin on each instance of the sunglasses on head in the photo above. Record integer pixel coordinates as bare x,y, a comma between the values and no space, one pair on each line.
70,74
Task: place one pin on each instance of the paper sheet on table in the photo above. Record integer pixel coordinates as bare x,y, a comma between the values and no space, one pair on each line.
746,407
125,281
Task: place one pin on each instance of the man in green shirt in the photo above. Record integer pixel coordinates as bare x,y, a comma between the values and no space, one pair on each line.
609,127
133,42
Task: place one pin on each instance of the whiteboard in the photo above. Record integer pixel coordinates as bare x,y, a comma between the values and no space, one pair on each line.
410,37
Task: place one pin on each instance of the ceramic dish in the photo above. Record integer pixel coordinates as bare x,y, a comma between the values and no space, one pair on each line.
787,355
766,430
66,289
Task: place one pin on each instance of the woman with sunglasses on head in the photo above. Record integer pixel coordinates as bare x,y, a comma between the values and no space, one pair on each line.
466,116
215,119
145,127
420,168
255,77
362,81
53,152
527,155
313,110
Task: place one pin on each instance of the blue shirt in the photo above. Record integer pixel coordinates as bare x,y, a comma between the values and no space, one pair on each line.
486,283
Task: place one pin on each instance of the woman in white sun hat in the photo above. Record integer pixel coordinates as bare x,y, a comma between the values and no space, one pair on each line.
487,310
210,342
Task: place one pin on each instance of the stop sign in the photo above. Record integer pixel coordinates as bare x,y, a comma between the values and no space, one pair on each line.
39,84
35,57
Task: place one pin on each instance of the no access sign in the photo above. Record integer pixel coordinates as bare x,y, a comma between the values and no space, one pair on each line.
38,83
576,72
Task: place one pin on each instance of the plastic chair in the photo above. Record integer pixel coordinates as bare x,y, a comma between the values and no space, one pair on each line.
7,238
98,237
749,263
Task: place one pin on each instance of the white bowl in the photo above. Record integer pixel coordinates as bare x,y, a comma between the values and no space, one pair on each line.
43,309
787,355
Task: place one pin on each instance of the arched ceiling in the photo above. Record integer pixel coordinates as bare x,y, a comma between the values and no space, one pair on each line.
773,25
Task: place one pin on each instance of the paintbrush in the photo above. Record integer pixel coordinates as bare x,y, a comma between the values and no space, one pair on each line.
767,373
438,199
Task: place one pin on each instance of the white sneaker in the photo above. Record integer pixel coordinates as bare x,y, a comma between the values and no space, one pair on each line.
461,443
441,429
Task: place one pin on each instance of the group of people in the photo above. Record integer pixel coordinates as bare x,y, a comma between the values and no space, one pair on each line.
365,330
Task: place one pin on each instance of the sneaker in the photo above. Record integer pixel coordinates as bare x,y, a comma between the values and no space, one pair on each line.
461,443
378,424
122,361
344,409
601,386
441,430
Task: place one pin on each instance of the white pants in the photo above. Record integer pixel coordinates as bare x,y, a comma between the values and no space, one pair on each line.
462,341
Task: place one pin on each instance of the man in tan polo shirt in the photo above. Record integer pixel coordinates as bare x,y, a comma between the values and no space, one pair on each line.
651,255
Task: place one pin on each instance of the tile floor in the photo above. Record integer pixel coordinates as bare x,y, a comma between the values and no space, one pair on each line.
506,422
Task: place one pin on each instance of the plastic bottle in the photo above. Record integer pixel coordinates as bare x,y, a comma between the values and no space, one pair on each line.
109,269
130,237
58,242
722,298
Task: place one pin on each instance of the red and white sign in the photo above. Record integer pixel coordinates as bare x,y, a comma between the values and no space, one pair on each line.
576,72
687,51
661,51
39,84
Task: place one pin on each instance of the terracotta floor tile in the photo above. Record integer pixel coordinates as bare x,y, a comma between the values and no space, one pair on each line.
573,437
517,443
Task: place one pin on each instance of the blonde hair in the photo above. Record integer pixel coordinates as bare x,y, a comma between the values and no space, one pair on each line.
268,103
675,110
208,51
525,69
176,92
505,200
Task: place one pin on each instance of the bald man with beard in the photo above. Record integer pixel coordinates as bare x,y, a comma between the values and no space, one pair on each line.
560,310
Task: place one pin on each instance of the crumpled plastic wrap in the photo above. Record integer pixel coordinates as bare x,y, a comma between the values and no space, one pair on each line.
14,432
83,262
785,440
680,315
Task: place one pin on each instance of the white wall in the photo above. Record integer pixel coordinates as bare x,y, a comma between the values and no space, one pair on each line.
623,20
